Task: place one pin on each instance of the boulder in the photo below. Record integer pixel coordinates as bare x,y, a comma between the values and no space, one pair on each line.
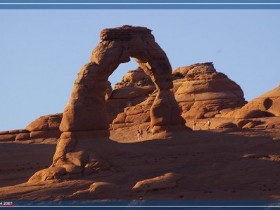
227,125
103,187
47,174
165,181
23,136
45,123
243,122
252,124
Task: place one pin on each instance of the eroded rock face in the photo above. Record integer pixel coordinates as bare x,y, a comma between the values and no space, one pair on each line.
266,105
45,123
135,78
86,107
202,92
85,117
135,87
46,126
13,135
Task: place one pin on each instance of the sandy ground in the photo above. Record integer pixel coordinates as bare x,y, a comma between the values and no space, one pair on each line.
224,164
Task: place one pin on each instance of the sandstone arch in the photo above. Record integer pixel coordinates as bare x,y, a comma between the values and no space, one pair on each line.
84,120
85,110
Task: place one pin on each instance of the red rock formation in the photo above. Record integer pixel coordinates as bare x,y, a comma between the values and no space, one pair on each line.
12,135
199,89
44,123
265,105
135,78
85,116
86,108
46,126
202,92
134,88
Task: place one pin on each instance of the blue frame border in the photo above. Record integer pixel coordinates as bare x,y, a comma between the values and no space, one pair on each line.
142,4
139,4
147,205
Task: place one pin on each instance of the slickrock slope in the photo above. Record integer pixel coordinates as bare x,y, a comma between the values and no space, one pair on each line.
266,105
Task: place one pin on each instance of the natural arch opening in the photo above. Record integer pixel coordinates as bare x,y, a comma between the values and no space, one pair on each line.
121,71
132,89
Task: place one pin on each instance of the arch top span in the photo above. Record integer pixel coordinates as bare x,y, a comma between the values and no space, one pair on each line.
125,33
119,44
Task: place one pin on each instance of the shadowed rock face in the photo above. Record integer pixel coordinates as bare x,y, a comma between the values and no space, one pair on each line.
86,110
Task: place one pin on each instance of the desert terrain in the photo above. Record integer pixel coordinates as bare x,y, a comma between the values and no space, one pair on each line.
201,140
218,164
